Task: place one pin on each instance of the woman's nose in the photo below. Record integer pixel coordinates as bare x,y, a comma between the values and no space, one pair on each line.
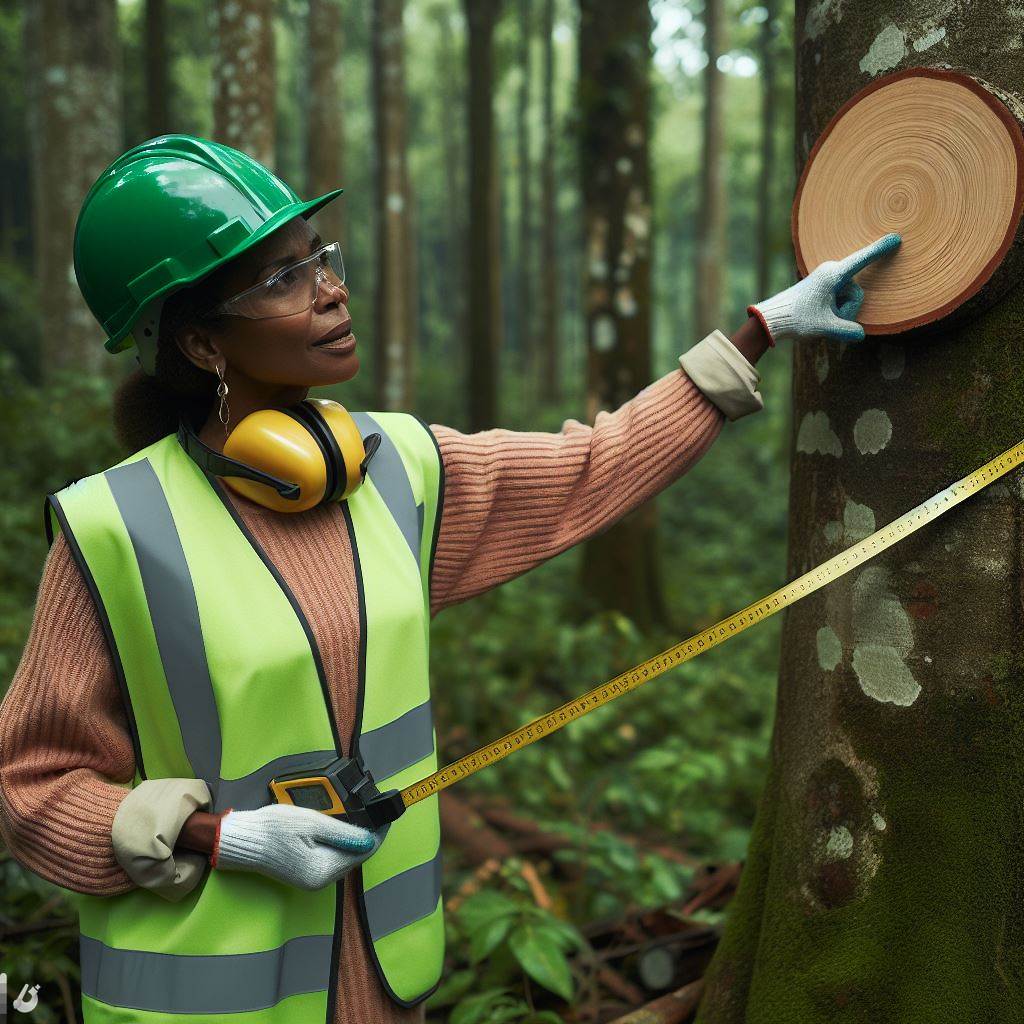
331,291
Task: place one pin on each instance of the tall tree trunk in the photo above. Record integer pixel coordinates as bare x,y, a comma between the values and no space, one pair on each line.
75,118
548,365
619,566
158,115
885,875
449,272
764,183
526,261
324,128
484,334
395,376
16,241
711,216
243,77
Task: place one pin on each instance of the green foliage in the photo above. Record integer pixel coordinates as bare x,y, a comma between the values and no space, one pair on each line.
63,431
501,940
47,956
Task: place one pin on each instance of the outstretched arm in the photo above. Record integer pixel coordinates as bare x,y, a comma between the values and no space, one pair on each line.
514,499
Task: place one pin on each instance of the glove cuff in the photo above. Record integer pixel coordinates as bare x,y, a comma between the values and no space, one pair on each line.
752,310
239,845
778,316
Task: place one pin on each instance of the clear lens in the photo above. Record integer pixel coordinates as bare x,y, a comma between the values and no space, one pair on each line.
291,289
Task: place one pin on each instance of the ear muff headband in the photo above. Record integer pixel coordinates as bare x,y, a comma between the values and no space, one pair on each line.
223,465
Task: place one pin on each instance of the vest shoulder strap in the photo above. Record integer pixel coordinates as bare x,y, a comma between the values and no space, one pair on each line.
420,455
78,489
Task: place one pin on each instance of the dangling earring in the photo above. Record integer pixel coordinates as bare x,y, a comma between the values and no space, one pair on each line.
223,412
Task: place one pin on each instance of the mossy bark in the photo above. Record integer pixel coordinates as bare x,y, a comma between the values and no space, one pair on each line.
885,875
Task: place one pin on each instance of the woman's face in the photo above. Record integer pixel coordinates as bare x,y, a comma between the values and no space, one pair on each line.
281,350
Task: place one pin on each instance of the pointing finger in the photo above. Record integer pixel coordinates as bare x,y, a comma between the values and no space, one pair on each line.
857,261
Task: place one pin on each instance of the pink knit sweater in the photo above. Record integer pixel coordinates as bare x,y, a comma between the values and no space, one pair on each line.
512,500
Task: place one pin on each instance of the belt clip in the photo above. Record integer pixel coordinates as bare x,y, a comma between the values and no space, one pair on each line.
370,445
344,788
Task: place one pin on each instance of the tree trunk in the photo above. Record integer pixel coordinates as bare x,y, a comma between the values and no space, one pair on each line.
75,130
395,375
243,77
526,260
324,128
885,875
711,216
548,333
158,116
766,178
483,337
449,275
619,565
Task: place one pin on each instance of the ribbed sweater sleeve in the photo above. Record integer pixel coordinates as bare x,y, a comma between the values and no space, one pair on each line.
64,740
514,499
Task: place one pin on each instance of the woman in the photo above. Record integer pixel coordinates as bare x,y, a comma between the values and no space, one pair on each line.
157,683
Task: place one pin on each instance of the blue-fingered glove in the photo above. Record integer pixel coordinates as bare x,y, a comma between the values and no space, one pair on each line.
825,302
295,845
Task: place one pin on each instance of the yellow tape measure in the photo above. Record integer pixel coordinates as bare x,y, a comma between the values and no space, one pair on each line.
370,808
720,631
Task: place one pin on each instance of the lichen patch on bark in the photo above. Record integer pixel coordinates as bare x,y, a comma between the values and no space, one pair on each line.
887,49
883,638
816,435
830,648
884,675
872,431
893,359
821,15
858,522
821,363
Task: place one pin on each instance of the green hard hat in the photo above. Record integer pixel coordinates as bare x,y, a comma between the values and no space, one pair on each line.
166,213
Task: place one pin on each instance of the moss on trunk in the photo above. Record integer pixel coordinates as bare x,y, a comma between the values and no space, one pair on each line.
885,875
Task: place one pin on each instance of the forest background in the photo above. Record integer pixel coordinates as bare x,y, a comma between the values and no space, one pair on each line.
677,766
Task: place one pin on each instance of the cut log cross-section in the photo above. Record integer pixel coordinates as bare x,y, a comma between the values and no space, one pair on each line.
938,156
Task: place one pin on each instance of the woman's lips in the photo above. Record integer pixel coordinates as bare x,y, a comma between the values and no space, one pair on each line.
345,344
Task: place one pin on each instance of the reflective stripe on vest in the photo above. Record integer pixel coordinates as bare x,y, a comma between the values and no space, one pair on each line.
157,540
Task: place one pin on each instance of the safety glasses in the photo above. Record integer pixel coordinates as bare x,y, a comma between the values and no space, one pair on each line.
290,290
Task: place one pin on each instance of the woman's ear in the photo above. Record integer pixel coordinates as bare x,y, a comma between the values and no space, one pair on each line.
197,347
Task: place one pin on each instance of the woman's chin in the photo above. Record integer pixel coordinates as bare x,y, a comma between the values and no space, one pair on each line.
348,367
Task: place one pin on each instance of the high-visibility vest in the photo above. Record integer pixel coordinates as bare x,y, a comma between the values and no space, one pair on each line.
222,680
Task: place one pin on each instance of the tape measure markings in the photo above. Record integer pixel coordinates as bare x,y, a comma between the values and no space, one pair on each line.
836,566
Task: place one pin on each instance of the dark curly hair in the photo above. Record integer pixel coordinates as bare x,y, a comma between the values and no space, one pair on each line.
146,408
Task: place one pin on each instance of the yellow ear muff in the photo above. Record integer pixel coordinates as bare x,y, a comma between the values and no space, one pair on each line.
315,444
348,438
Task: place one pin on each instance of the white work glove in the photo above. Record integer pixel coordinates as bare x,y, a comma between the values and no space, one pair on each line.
826,301
296,845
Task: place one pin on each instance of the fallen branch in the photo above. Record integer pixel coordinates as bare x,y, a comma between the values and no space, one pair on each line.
70,1016
461,825
673,1008
473,883
535,839
620,986
724,878
537,890
37,926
